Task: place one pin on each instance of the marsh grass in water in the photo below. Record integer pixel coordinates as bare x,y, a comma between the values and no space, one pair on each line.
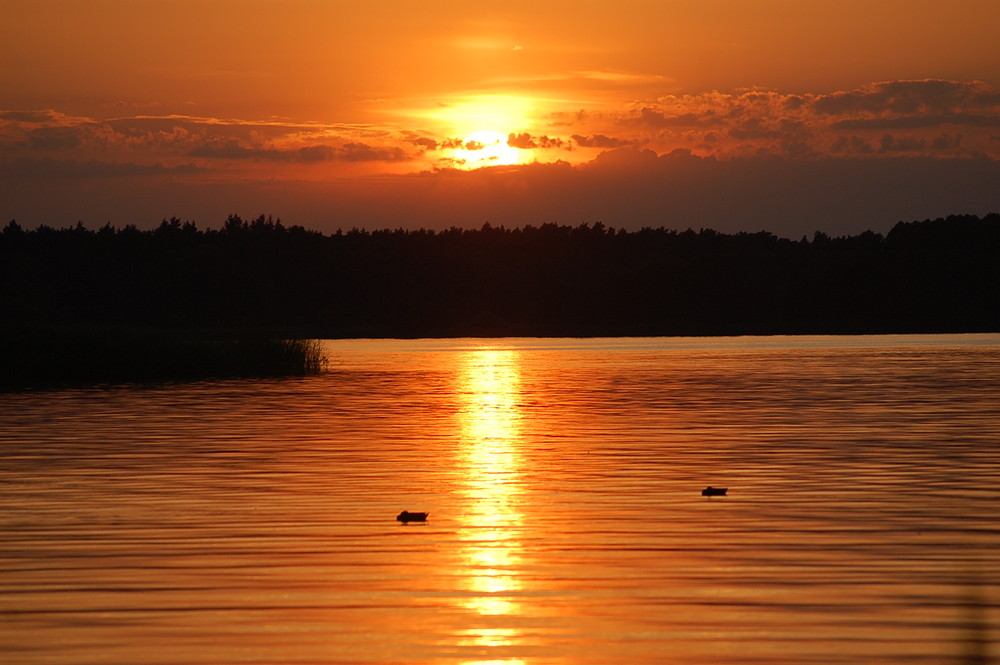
31,358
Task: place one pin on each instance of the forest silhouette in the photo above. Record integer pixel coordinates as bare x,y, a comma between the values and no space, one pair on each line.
261,276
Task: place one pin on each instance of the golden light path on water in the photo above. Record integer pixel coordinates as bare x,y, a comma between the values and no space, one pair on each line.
490,460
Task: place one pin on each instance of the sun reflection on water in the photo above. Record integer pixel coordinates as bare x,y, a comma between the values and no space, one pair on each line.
489,418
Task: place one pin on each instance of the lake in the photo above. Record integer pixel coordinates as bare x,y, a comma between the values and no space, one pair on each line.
253,521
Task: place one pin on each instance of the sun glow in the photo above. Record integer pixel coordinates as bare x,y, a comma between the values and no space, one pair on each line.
485,148
477,128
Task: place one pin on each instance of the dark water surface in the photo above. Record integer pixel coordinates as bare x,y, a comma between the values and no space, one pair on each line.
253,521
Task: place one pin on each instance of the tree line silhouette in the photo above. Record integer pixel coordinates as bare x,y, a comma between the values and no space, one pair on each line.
939,275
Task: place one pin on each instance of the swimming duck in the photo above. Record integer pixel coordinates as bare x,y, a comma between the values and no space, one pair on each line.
407,516
714,491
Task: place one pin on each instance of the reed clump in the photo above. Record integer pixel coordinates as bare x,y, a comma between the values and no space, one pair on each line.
42,358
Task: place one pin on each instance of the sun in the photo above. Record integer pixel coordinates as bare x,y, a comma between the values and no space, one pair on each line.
484,148
477,127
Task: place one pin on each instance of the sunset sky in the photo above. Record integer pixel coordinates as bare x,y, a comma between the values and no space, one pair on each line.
780,115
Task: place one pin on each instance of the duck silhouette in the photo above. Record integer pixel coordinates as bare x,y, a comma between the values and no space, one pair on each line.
714,491
407,516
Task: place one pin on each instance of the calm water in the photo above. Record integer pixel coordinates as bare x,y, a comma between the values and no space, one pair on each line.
253,521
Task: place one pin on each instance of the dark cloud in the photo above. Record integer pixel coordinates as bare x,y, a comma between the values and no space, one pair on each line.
651,118
215,127
757,121
233,150
424,142
525,141
928,96
760,128
852,145
178,137
795,102
54,138
946,142
918,121
624,188
349,152
622,160
35,117
892,143
313,153
601,141
360,152
630,188
70,168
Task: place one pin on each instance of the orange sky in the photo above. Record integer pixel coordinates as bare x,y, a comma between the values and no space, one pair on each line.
338,114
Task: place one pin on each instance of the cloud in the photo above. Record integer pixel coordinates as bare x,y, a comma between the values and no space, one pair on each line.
917,121
852,145
757,121
622,160
234,150
652,118
180,137
632,188
892,143
525,141
312,153
926,96
55,138
601,141
413,138
38,117
760,128
69,168
360,152
924,118
622,78
348,152
624,188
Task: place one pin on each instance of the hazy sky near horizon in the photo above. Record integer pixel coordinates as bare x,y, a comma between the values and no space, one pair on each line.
776,115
